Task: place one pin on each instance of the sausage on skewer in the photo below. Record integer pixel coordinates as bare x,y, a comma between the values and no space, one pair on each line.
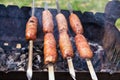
83,47
65,45
62,23
47,21
75,23
50,52
31,28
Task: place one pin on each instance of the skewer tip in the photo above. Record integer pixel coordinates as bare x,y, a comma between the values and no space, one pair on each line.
29,74
71,68
91,69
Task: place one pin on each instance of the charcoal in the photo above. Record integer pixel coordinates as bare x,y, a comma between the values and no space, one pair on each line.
3,59
36,62
1,50
24,50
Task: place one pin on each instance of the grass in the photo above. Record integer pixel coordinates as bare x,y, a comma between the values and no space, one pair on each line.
81,5
117,24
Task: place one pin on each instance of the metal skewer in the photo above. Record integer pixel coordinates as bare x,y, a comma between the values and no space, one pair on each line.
91,69
70,7
51,72
58,7
88,61
69,59
30,58
50,65
71,68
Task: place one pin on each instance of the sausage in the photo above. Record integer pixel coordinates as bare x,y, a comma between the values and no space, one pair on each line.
50,52
75,23
65,45
31,28
83,46
47,21
62,22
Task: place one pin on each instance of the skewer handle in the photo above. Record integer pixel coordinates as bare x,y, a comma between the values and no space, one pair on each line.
51,72
91,69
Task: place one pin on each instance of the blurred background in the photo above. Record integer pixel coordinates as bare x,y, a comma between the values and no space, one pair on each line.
79,5
83,5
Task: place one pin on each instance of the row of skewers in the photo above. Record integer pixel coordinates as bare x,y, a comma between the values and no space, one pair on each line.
50,52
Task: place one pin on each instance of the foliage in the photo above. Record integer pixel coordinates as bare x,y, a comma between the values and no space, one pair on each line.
81,5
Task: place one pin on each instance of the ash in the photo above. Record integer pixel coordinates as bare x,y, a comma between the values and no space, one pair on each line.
16,59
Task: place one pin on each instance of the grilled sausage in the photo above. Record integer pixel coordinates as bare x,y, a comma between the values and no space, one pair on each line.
31,28
50,52
65,45
47,21
75,23
83,47
62,23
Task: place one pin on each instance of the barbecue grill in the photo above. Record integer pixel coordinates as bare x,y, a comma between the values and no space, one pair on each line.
100,31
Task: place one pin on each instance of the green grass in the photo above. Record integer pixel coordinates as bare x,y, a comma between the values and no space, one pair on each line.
117,23
81,5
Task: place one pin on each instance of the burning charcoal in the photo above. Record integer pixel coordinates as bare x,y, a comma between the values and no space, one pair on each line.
23,57
2,62
7,49
24,50
118,66
10,63
21,69
1,50
38,49
2,68
61,64
108,68
21,66
77,62
45,69
36,62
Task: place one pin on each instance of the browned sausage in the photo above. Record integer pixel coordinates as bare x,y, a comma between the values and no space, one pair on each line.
83,46
50,52
62,23
31,28
75,23
65,45
47,21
